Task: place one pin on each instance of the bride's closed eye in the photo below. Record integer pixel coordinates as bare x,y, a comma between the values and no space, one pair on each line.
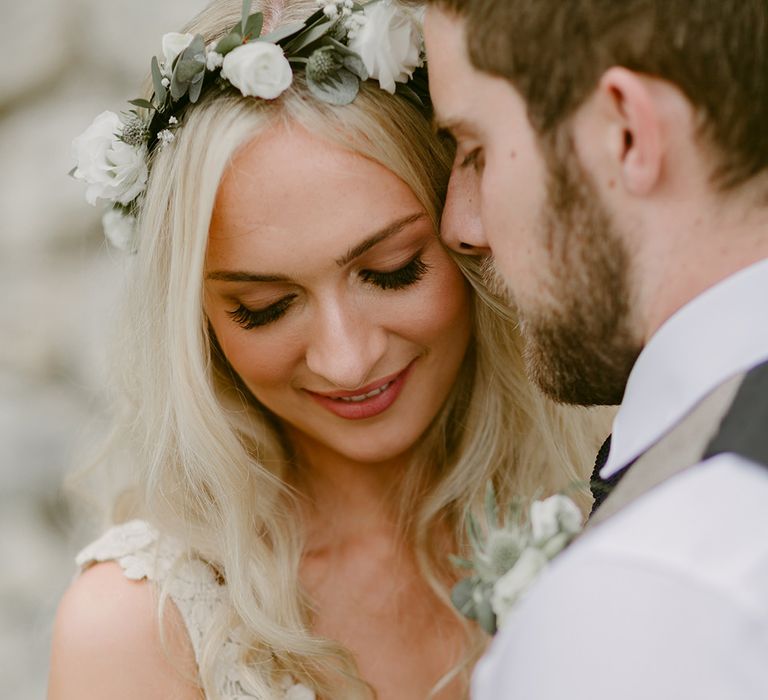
405,276
253,318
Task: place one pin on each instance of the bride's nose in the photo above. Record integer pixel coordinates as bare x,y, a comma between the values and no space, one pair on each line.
345,346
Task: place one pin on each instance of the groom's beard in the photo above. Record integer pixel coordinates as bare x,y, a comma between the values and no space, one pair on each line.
581,348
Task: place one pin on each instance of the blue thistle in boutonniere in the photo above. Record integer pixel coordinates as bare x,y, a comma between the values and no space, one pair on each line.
509,553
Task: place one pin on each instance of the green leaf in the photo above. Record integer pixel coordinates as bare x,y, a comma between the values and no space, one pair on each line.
411,95
253,27
196,87
145,104
491,509
229,42
486,618
462,599
341,89
157,81
473,531
307,38
460,562
354,63
283,33
244,16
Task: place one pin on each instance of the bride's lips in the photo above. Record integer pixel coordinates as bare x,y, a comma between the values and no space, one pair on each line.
359,404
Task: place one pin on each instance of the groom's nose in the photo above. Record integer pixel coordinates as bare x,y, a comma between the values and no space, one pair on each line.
460,226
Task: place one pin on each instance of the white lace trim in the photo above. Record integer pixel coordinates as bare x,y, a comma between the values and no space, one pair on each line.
143,554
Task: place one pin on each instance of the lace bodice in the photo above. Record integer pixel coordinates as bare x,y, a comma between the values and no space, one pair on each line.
192,585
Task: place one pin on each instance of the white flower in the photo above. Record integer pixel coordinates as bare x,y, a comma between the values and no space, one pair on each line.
557,514
120,229
258,69
213,60
389,42
173,44
112,169
508,589
166,136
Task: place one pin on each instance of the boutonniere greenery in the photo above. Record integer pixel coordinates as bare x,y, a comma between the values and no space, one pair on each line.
509,553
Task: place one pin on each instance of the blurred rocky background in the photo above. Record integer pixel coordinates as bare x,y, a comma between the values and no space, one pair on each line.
66,61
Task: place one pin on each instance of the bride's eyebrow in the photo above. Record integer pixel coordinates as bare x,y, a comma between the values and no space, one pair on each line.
355,252
376,238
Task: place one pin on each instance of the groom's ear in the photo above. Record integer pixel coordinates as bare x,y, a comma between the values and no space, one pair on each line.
629,105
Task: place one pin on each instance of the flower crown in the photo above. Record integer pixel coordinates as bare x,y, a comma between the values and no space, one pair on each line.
337,47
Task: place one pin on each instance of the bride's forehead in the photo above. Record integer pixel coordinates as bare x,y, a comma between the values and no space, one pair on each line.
291,188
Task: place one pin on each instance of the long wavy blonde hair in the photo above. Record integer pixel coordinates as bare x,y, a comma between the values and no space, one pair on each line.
207,464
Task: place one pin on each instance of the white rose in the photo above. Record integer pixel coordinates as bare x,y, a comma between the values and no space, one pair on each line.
173,44
508,589
557,514
258,69
389,42
120,229
112,169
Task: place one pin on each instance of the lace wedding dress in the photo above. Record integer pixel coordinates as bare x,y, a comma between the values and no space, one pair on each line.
142,554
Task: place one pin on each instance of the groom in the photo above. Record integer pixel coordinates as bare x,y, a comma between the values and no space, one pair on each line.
612,155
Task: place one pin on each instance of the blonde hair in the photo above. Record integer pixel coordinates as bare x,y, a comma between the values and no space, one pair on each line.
209,466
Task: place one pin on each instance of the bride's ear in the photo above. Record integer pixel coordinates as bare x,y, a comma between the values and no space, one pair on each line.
629,105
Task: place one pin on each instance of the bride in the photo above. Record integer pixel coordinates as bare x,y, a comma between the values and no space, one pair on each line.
311,394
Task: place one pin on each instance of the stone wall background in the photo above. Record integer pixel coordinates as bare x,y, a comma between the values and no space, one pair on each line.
66,61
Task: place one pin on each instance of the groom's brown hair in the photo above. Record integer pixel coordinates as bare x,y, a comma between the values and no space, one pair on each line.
554,52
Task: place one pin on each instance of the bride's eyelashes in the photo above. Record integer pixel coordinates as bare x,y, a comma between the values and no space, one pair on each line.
405,276
253,318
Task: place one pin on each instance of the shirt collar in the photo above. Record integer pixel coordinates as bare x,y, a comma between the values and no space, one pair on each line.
719,334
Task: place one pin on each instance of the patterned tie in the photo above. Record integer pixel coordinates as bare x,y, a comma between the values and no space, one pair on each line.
601,488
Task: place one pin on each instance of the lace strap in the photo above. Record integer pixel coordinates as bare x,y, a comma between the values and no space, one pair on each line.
143,554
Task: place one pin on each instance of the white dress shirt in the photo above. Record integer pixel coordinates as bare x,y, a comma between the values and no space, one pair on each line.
668,598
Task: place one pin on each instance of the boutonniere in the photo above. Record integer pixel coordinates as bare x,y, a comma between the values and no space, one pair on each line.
509,553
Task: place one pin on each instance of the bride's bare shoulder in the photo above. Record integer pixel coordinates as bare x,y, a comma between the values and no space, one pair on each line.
106,642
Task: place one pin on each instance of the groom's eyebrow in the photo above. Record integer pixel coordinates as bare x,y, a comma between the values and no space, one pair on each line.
392,229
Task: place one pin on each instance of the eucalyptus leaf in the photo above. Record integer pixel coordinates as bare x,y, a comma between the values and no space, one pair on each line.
244,16
491,509
157,81
473,531
229,42
461,597
354,63
283,33
253,27
341,89
460,562
307,38
411,95
340,47
196,87
486,618
145,104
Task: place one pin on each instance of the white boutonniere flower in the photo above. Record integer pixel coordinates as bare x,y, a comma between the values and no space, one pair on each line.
389,41
113,170
258,69
510,554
